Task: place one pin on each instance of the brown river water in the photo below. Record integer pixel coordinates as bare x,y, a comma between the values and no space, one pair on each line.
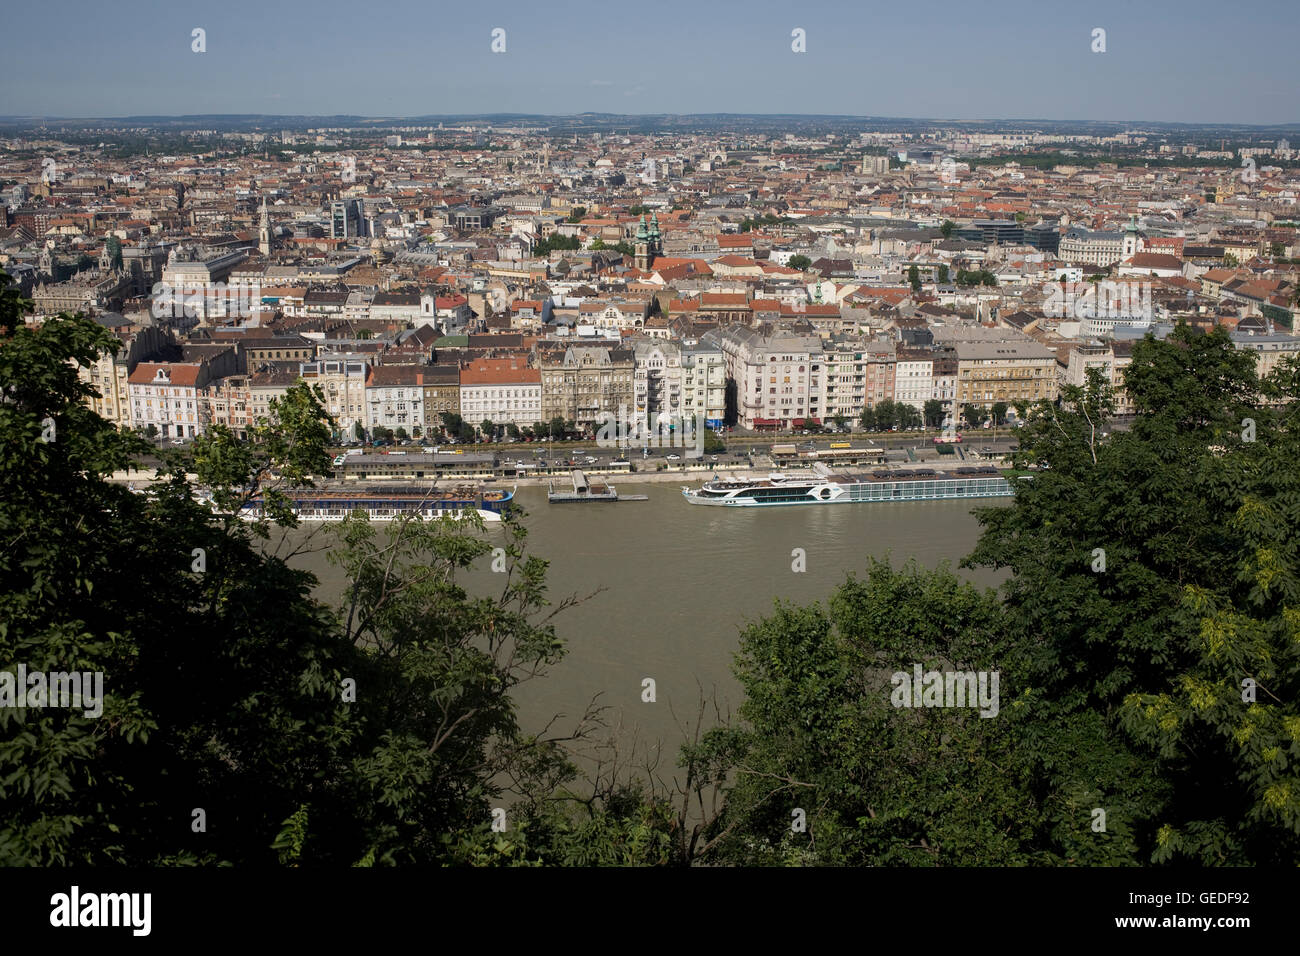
680,581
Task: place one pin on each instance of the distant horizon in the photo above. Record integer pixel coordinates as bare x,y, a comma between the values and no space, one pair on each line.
45,118
1186,60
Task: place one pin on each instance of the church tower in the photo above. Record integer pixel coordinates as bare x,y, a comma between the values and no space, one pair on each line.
1134,241
264,231
642,246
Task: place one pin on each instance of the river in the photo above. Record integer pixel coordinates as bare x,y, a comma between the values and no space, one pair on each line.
680,581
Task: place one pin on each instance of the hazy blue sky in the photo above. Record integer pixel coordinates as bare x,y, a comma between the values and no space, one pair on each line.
1170,60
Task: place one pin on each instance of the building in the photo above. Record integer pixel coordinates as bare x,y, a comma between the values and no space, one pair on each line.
1111,359
342,381
990,372
109,374
778,378
579,382
846,378
395,398
228,401
1084,247
165,395
441,385
914,377
502,391
656,380
346,221
704,385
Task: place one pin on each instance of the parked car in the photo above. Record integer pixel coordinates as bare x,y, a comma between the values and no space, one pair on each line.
674,457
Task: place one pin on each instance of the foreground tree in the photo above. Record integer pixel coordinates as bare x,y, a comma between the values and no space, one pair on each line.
242,720
1157,570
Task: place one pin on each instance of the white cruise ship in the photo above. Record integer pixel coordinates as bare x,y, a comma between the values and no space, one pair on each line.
822,487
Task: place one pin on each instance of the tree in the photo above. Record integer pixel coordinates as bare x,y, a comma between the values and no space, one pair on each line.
378,732
887,414
999,412
839,421
868,419
512,430
401,433
943,275
1173,547
579,212
712,443
933,413
12,305
597,244
800,262
113,246
909,416
557,427
914,277
947,228
879,784
972,415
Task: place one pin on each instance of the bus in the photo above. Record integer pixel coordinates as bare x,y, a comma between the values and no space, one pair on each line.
841,444
948,438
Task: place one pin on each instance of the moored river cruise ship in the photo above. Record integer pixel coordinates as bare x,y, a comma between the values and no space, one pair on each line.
822,487
389,504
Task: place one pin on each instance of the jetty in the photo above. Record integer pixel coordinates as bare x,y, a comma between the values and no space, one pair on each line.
585,489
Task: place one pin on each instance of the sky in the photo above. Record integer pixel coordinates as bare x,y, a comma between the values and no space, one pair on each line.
1190,61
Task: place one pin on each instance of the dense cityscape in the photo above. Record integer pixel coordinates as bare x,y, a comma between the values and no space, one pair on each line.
569,455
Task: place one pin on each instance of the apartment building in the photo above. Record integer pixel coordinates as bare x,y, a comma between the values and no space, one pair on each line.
395,398
581,381
1111,359
882,369
501,390
989,372
267,383
342,380
944,382
1085,247
656,379
846,377
704,385
110,374
914,377
779,377
228,401
441,384
166,396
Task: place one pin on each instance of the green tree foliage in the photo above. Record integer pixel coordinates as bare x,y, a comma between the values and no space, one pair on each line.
800,262
544,247
878,784
376,732
914,278
974,277
933,413
946,230
1142,659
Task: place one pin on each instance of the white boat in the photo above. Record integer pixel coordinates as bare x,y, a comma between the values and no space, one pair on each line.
821,487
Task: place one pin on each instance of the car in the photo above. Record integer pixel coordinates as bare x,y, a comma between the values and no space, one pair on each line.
674,457
178,441
713,458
